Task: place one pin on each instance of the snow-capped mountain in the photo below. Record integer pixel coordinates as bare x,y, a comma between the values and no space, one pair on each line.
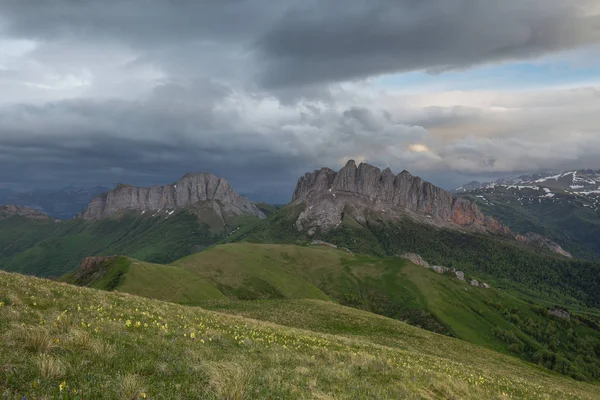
563,206
584,182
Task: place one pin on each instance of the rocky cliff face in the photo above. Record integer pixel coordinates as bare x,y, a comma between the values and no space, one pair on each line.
364,189
8,211
189,190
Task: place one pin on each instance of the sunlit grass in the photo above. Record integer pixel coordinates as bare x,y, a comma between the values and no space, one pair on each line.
62,341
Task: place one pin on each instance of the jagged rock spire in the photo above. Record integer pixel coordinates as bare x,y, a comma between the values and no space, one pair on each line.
365,188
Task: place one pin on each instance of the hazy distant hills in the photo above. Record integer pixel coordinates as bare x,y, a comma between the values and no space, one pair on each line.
59,203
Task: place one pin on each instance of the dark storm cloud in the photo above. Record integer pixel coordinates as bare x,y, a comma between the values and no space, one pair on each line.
329,40
155,141
293,42
143,23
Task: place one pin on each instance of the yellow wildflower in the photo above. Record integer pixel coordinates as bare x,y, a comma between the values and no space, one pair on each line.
62,386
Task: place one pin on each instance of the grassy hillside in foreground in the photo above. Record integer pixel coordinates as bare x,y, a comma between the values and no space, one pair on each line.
391,287
62,341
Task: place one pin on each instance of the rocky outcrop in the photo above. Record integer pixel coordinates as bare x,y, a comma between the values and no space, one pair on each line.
92,268
189,190
440,269
322,243
476,283
364,189
560,313
8,211
460,275
416,259
90,264
543,242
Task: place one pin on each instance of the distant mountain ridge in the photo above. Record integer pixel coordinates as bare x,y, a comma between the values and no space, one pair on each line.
563,206
583,181
61,203
190,190
11,210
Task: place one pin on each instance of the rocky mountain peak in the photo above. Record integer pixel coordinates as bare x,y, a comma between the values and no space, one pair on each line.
191,189
365,189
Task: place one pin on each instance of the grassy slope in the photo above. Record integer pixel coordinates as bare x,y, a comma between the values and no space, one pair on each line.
157,281
61,341
528,271
167,283
390,287
266,271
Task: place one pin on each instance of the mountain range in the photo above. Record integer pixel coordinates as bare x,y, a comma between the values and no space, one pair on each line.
583,181
386,243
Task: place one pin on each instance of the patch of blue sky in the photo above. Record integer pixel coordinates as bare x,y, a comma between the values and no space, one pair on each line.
509,76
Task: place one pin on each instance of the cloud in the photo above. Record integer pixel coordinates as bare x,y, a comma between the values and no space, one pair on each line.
296,43
260,91
252,140
325,40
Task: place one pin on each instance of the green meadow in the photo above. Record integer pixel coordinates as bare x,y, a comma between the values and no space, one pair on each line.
66,342
242,277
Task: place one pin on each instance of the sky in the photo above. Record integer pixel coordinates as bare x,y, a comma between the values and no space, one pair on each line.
259,91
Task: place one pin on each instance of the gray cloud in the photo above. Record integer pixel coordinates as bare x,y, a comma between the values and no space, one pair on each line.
292,42
325,40
256,141
140,23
